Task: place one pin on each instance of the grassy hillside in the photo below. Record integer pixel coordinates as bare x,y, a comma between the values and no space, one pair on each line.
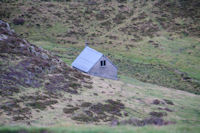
38,90
80,113
152,41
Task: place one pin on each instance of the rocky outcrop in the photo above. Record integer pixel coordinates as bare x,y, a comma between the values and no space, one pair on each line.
23,64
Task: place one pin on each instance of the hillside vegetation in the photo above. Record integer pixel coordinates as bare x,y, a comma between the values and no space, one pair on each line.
39,89
152,41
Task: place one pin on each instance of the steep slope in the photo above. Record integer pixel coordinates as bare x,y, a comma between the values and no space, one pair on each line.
24,64
38,89
153,41
28,69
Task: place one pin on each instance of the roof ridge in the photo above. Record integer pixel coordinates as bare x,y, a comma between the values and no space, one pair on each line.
93,50
105,56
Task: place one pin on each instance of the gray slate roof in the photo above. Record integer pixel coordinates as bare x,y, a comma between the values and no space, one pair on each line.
87,59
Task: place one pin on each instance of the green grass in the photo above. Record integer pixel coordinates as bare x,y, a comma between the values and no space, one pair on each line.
137,97
67,53
141,60
105,129
187,112
146,63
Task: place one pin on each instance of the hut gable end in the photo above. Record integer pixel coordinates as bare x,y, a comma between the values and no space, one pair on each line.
104,68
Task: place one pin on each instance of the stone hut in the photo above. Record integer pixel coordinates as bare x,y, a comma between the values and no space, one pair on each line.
95,63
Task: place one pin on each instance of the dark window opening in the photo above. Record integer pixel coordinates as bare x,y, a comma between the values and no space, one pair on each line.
103,63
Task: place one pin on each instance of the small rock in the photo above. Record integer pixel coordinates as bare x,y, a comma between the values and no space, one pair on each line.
5,25
27,81
3,37
21,45
32,50
37,53
45,56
